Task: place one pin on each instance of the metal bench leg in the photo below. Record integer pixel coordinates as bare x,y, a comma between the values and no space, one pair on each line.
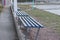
37,34
26,34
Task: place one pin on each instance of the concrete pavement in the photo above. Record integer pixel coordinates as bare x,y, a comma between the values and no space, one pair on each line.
55,9
7,28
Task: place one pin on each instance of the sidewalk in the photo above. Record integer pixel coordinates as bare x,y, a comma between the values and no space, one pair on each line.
55,9
7,28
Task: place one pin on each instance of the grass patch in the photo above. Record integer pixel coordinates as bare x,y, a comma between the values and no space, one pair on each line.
1,8
46,18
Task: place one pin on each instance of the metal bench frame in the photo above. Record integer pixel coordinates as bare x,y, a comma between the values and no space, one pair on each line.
28,22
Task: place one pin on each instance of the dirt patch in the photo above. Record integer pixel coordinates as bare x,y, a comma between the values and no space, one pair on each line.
48,34
44,34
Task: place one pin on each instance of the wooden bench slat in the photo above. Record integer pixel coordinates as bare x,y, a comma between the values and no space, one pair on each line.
26,21
33,22
23,22
32,25
37,22
21,14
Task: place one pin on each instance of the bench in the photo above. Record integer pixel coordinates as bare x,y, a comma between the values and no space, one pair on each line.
28,22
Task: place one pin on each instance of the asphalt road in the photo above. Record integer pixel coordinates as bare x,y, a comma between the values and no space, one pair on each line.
7,28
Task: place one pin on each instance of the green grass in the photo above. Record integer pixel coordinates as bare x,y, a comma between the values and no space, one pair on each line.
1,8
47,19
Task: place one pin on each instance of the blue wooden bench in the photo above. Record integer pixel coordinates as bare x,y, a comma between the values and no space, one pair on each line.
28,21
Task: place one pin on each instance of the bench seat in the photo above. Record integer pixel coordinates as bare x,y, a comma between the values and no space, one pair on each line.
29,22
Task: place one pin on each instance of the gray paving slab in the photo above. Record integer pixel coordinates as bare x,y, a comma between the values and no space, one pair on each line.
7,28
55,9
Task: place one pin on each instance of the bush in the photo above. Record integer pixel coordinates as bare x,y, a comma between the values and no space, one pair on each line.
24,0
